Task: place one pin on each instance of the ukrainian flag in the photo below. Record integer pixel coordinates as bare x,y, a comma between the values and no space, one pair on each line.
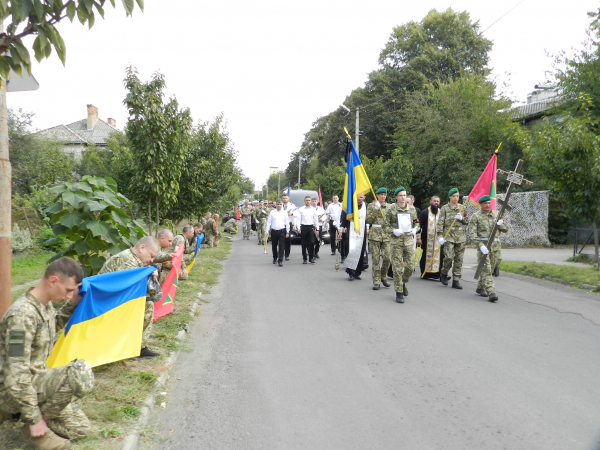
200,238
357,183
108,321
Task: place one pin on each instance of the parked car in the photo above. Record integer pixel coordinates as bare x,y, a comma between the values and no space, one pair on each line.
297,198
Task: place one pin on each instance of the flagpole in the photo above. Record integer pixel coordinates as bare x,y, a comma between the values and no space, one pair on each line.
453,222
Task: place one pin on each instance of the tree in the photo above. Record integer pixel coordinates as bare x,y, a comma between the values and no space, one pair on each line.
566,156
95,161
40,18
159,135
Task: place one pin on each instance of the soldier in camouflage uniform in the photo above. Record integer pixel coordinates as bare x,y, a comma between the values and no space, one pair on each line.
403,247
261,214
218,235
452,219
205,218
210,232
230,226
142,254
47,400
246,212
480,229
166,254
379,239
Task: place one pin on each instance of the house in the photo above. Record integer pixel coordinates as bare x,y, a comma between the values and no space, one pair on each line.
540,104
76,136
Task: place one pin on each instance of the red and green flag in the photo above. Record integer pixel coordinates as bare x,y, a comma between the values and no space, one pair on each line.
169,287
486,185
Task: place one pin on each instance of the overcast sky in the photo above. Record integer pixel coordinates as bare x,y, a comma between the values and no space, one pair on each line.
274,67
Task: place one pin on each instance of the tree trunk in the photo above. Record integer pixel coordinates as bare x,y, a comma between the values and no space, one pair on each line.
595,231
5,202
149,218
27,219
157,220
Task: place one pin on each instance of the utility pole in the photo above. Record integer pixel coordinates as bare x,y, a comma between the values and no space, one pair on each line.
5,201
299,168
357,131
279,184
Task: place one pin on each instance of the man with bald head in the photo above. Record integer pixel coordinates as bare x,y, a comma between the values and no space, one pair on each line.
167,253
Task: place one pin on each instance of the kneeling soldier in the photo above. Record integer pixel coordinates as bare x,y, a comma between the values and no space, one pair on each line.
47,400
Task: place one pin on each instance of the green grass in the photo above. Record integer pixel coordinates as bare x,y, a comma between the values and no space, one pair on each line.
28,268
120,389
571,274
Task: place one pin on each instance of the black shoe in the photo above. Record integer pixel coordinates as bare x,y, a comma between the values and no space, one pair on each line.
444,279
312,261
332,253
342,261
147,353
287,258
456,284
405,290
493,298
481,292
375,287
399,297
385,283
496,271
274,261
317,256
357,277
304,262
260,243
350,277
280,264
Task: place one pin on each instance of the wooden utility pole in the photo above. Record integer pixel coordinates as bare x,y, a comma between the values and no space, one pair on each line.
5,205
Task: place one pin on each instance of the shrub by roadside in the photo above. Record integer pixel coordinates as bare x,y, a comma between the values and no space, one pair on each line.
584,277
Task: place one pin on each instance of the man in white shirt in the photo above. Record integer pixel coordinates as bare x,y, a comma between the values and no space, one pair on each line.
306,224
334,211
322,217
288,207
279,225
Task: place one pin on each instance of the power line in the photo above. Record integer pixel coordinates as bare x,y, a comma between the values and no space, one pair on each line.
501,17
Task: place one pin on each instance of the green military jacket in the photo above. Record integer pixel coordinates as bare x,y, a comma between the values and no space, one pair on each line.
27,336
457,233
391,219
165,253
203,220
259,215
230,225
190,247
210,229
480,228
246,211
122,261
379,231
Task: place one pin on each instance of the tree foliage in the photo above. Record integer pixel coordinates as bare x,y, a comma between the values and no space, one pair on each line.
90,214
39,18
95,161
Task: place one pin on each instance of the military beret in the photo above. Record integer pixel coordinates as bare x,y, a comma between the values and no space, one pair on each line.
381,190
261,200
485,198
400,189
452,191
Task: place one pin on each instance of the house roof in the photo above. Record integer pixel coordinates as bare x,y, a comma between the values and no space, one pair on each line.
76,133
535,110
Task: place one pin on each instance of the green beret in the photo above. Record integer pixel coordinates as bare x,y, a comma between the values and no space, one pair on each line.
485,198
381,191
400,189
452,192
261,200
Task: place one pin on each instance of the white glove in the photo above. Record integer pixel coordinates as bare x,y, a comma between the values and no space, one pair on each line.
413,231
484,250
441,240
397,232
458,216
500,222
377,205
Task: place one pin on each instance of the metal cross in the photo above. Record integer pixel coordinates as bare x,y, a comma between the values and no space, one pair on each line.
514,178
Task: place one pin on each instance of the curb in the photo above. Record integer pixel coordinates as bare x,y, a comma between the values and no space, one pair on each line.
132,440
572,284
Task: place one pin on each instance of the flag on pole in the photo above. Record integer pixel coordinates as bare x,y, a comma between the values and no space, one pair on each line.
108,321
199,239
486,185
288,193
356,184
169,287
320,198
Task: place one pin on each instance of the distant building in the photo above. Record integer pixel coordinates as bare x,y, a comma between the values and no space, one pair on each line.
273,170
540,104
76,136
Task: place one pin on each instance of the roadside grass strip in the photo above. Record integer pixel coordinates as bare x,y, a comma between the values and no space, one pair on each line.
120,389
578,277
28,268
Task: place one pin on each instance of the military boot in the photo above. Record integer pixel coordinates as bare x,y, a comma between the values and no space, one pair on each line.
385,283
493,297
375,287
456,284
496,271
399,297
404,290
481,292
444,279
48,442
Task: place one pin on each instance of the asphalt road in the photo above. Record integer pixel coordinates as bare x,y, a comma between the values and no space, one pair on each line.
300,358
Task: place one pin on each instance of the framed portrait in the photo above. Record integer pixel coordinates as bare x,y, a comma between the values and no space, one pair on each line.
404,222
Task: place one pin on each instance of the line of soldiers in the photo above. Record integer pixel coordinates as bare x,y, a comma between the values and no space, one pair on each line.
256,216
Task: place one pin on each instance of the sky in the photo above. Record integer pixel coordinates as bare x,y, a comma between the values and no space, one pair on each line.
273,67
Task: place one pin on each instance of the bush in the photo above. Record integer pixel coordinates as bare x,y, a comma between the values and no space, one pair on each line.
20,239
47,240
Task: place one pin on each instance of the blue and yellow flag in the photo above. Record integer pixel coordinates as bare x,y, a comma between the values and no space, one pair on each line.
199,239
357,183
108,321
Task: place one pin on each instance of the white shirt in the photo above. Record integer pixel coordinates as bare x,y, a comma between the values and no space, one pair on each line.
321,212
307,216
287,208
334,211
278,221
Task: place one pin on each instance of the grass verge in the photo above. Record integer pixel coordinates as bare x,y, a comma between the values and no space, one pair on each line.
120,388
569,274
28,268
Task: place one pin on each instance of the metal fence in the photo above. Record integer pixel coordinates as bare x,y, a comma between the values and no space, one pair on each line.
527,222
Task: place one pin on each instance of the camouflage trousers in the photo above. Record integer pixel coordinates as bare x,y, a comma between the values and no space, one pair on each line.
402,254
261,229
485,278
231,229
453,257
247,227
148,318
208,241
380,250
168,265
217,238
58,402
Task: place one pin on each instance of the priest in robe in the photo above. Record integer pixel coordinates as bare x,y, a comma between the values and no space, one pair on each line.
357,241
428,241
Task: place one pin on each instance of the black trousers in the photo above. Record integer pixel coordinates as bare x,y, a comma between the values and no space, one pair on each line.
332,236
307,237
278,243
288,243
345,244
318,240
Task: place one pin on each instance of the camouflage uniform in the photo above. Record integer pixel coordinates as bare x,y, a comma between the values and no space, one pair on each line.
246,212
230,226
261,222
480,228
379,242
125,260
27,386
403,251
454,247
164,257
210,232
